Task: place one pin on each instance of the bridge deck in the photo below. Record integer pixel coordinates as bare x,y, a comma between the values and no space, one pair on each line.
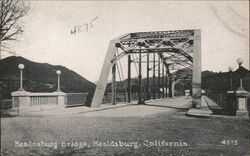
120,109
177,102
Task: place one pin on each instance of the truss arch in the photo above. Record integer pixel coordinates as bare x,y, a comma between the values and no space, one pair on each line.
180,47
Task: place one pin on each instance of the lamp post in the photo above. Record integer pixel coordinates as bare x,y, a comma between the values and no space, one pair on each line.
241,94
58,72
21,67
231,77
239,62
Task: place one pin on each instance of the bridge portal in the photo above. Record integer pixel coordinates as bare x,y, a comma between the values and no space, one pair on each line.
168,52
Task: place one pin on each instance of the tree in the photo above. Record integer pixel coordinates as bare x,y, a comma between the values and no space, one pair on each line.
11,11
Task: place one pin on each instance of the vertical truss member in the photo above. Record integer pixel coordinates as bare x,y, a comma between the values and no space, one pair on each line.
159,77
129,79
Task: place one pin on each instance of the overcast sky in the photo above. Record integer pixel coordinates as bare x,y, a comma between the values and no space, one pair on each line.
47,33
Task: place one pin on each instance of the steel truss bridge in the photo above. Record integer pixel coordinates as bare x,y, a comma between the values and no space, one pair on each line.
168,52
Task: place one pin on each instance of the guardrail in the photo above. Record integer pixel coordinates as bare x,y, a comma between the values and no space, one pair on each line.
228,102
27,101
6,104
43,100
123,97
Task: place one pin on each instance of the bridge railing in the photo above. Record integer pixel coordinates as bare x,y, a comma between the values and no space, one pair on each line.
123,97
228,102
6,104
37,100
27,101
75,99
220,98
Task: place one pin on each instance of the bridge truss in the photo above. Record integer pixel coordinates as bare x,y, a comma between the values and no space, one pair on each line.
177,49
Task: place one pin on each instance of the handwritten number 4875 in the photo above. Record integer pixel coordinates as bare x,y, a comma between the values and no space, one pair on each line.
83,28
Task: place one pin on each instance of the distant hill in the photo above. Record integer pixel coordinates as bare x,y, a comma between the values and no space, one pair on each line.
184,74
39,77
219,82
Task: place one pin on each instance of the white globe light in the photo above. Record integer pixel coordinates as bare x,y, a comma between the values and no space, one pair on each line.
230,68
21,66
239,61
58,72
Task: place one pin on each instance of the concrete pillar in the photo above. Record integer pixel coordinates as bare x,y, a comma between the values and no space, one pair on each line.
196,86
21,101
242,96
61,99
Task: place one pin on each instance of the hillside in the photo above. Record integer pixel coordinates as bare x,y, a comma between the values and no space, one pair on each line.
214,82
220,82
184,75
39,77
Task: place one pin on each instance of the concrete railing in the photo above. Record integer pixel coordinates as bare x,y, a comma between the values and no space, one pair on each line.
27,101
41,100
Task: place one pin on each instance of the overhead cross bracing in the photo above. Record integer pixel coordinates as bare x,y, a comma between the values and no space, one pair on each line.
175,50
174,46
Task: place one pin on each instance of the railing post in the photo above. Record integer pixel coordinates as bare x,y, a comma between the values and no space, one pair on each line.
61,99
242,97
22,100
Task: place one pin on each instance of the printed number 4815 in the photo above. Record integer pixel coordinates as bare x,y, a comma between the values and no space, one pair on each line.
229,142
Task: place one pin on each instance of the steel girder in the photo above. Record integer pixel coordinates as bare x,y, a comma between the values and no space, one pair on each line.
179,47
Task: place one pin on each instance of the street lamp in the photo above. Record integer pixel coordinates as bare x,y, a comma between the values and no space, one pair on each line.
239,61
21,67
231,77
58,72
240,71
241,94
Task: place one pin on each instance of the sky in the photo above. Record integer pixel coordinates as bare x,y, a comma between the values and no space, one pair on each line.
49,26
